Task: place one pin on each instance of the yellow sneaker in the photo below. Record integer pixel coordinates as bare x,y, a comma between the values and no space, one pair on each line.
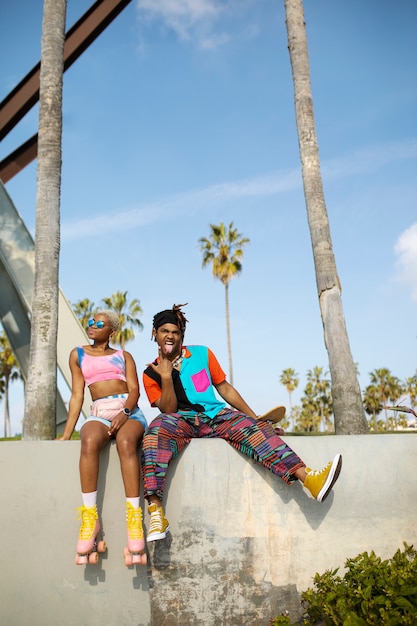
320,483
159,525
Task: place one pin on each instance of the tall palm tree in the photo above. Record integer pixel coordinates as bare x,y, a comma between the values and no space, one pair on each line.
9,371
84,310
224,250
40,398
128,314
347,401
289,378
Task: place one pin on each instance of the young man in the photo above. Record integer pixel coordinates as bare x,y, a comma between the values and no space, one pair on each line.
181,383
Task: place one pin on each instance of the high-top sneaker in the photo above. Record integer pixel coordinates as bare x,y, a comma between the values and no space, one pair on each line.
320,483
159,525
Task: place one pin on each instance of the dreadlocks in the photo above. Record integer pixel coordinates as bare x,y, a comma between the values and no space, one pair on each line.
171,316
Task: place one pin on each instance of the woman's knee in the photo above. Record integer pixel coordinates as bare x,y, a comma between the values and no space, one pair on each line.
127,446
92,441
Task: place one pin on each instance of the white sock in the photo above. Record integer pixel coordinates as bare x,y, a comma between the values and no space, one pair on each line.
134,502
89,499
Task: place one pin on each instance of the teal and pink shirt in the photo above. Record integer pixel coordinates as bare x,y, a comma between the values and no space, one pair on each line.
193,384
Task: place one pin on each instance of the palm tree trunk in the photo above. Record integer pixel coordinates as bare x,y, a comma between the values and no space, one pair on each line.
347,401
229,342
40,402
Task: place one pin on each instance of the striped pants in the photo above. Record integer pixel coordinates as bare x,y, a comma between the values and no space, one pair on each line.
169,434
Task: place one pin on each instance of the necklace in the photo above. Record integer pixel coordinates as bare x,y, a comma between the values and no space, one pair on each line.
178,360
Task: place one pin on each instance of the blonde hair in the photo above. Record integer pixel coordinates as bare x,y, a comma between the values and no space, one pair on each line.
113,318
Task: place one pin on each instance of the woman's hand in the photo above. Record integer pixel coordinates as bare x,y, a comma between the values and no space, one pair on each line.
116,423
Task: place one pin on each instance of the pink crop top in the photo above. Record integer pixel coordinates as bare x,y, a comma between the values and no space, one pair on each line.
98,368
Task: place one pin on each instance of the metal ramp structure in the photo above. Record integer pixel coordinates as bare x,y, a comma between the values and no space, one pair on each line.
17,277
17,249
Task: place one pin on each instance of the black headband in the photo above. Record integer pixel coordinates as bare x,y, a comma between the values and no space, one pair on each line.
165,317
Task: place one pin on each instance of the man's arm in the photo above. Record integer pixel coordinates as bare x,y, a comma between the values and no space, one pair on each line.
167,401
233,397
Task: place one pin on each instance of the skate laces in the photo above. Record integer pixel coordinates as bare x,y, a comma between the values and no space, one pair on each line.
88,516
311,472
134,522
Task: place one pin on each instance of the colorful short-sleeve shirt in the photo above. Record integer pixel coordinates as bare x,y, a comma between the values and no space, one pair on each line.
193,384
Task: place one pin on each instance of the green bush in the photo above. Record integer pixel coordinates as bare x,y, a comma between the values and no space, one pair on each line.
372,592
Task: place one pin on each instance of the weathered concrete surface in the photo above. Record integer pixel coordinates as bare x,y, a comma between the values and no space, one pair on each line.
242,547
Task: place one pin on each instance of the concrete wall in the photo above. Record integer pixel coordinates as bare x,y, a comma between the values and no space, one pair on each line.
242,547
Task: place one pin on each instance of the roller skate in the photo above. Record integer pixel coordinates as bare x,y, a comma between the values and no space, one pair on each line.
134,552
87,546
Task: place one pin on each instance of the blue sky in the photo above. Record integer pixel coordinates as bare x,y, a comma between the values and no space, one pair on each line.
180,115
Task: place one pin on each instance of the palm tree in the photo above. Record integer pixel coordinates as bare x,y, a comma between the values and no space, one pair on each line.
224,250
320,388
128,314
9,371
411,389
389,386
347,401
84,310
40,398
289,378
372,400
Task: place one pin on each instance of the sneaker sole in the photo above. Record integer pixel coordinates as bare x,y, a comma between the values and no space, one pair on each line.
331,479
156,536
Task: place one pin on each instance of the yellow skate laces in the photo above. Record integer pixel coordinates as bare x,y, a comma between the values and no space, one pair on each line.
134,522
88,516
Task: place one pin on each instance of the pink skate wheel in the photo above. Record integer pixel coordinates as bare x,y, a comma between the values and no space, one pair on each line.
81,559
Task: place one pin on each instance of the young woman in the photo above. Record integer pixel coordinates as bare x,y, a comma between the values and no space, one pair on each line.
113,382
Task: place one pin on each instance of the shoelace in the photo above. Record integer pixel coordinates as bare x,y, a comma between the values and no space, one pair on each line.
156,522
311,472
88,516
134,523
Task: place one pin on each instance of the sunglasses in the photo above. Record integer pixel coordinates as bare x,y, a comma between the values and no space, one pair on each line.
92,321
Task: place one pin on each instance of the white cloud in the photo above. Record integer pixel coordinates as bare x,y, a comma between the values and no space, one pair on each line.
268,184
182,16
406,250
196,20
369,160
186,203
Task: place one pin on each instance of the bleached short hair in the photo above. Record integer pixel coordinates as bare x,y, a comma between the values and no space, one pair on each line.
112,317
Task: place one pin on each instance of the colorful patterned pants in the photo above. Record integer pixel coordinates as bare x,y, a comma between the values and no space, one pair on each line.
169,434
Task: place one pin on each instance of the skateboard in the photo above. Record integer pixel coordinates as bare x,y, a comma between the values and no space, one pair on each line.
274,415
91,557
134,558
